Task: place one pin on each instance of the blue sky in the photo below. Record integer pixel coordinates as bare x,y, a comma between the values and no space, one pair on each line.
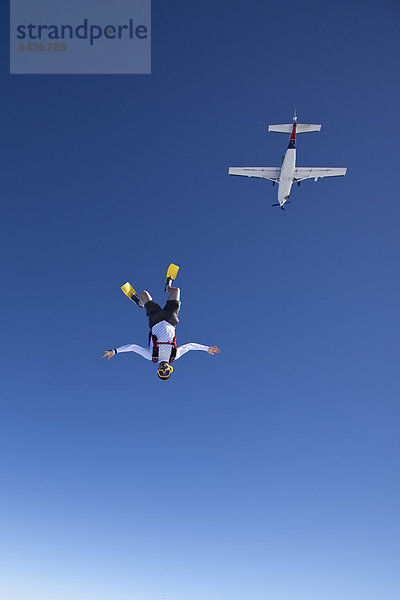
270,470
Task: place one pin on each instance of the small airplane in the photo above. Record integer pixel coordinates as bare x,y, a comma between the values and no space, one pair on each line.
288,173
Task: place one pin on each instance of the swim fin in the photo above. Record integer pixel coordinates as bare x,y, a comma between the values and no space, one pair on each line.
172,272
130,292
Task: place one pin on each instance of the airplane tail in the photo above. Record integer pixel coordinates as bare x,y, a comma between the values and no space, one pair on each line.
288,127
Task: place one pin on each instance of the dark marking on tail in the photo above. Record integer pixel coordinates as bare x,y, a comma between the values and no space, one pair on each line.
292,141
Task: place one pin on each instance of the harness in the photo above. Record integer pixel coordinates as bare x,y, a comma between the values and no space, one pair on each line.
156,344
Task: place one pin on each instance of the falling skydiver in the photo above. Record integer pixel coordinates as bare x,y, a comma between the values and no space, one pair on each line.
162,323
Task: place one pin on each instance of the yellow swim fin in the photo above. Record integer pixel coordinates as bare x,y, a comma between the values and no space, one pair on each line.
172,272
130,292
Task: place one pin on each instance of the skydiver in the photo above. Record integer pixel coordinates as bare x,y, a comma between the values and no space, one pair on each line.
162,323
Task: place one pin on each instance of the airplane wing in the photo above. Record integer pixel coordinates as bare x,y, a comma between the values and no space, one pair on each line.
288,128
301,173
271,173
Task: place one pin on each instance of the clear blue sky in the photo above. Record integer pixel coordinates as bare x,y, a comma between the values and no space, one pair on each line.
271,470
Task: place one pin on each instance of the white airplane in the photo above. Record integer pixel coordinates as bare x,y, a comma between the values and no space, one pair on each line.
288,173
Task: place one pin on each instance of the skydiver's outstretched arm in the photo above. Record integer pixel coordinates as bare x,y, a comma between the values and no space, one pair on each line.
145,352
193,346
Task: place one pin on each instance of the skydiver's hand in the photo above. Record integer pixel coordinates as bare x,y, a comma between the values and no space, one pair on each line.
108,354
213,350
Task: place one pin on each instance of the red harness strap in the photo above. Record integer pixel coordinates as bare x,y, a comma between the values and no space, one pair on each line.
157,343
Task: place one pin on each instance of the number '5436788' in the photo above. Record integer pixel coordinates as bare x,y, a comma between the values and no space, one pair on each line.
42,47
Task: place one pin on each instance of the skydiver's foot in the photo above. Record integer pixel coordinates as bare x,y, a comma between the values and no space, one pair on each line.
136,299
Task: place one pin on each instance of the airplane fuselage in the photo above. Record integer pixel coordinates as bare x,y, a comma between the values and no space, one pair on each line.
287,169
287,174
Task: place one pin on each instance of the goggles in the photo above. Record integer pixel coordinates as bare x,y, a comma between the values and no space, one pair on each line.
165,371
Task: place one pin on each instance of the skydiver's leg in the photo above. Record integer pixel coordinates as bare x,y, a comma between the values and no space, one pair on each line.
174,293
144,298
173,305
154,311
